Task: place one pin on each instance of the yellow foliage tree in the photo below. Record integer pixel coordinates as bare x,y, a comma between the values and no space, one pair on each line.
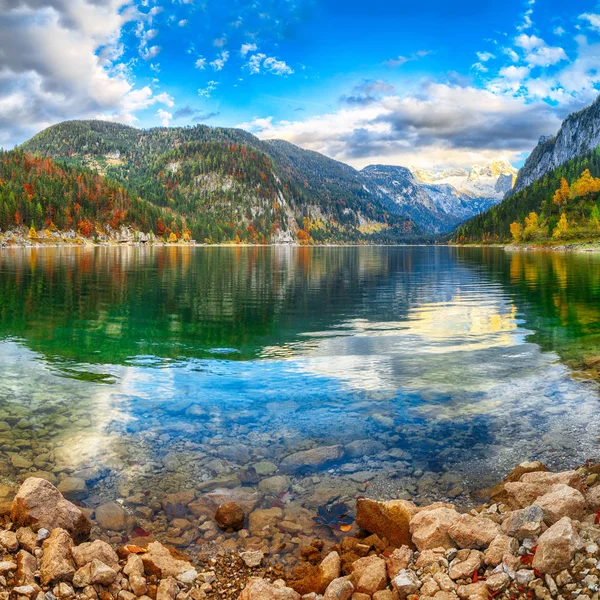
32,233
562,227
585,185
516,230
172,238
532,225
562,194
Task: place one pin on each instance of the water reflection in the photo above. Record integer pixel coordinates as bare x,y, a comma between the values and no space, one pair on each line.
150,371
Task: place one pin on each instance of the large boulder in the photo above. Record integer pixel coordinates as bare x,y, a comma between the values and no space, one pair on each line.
561,501
159,560
310,459
39,504
570,478
429,528
520,494
387,519
498,493
473,532
369,574
260,589
556,547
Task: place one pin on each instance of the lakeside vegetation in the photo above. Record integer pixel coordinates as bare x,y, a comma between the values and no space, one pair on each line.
561,207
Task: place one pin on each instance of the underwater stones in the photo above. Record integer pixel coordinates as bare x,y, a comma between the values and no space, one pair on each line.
111,517
176,505
20,462
387,519
56,564
429,528
556,547
313,458
262,518
473,532
252,558
366,447
275,485
40,505
73,488
230,516
237,453
264,467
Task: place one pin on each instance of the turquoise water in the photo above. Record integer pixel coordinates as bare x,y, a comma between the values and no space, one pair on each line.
156,370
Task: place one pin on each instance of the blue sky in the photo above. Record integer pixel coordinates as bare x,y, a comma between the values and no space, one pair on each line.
430,85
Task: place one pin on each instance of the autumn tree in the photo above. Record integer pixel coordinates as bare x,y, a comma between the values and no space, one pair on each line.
561,228
532,225
516,230
585,185
562,194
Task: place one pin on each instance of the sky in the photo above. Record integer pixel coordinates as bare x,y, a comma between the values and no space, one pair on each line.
427,85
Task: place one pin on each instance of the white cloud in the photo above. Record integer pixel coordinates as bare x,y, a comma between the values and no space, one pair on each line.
220,61
200,63
247,48
220,42
60,60
182,23
560,31
402,60
546,56
529,42
485,56
479,67
164,116
269,64
206,92
592,19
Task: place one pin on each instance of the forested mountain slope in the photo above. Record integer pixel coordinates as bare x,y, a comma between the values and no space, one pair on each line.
230,186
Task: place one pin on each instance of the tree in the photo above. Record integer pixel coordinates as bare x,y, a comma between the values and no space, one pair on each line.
561,228
595,217
585,185
32,232
516,230
532,225
562,194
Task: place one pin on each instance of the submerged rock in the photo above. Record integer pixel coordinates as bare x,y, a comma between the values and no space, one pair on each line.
313,458
230,516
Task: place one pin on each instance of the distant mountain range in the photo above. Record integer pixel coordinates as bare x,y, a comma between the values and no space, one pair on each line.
438,201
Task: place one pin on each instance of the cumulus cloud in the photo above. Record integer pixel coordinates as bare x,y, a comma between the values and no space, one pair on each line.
402,60
367,92
247,48
59,60
164,116
592,19
220,61
206,92
269,64
200,63
438,124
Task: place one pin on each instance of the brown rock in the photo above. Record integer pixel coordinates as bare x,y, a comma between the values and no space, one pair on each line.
261,518
561,501
523,523
86,553
8,540
500,545
398,560
134,565
101,573
473,532
83,576
26,568
340,588
111,517
315,457
39,504
167,589
570,478
498,493
387,519
27,538
522,495
56,564
464,566
473,591
556,547
369,574
429,528
330,568
406,583
430,557
230,516
158,560
260,589
592,498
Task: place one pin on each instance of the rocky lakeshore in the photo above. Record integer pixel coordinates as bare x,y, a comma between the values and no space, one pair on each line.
537,537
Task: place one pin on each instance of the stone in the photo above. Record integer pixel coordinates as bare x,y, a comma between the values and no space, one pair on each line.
262,518
260,589
592,498
429,528
111,517
230,516
398,561
523,523
64,590
406,583
252,558
275,485
556,547
461,568
176,505
6,566
134,565
444,582
73,488
159,561
524,576
83,576
561,501
330,568
570,478
387,519
473,532
27,538
500,545
26,568
8,540
39,504
360,448
369,574
167,589
498,493
316,457
101,573
56,564
473,591
497,582
264,467
85,553
340,588
138,584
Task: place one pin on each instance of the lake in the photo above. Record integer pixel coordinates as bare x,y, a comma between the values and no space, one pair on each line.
172,379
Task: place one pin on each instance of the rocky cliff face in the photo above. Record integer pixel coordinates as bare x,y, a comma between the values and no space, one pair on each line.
578,134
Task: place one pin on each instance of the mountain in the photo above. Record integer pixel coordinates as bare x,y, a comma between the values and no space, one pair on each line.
439,201
40,194
230,186
578,134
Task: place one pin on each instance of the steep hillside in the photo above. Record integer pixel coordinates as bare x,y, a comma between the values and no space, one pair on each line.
562,205
229,185
439,201
579,134
39,194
